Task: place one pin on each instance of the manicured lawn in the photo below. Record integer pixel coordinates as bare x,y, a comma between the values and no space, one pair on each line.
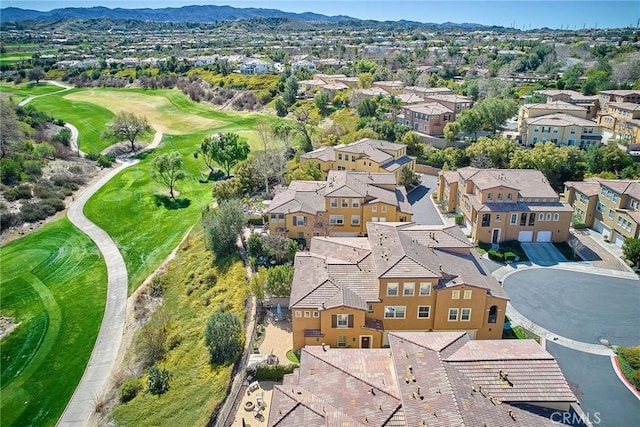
191,296
567,251
510,246
90,118
144,231
54,284
25,90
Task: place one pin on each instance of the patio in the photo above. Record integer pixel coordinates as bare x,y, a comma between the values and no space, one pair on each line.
248,410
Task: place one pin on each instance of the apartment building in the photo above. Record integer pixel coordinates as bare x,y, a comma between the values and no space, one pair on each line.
561,129
427,118
455,103
619,96
427,91
391,86
339,206
610,207
366,155
427,379
589,102
623,120
351,292
528,111
505,204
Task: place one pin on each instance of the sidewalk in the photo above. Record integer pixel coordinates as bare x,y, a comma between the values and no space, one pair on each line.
594,249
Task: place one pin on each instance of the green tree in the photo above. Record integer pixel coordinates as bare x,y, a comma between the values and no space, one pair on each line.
158,381
228,149
10,131
614,159
279,279
499,150
367,108
37,74
631,251
281,107
63,137
557,164
495,112
414,146
322,100
223,336
128,126
394,104
290,90
452,131
470,122
223,225
206,151
306,171
408,177
167,170
304,125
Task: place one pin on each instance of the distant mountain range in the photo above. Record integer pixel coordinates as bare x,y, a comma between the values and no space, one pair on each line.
207,13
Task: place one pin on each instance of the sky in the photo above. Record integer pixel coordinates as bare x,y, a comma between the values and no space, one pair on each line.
522,14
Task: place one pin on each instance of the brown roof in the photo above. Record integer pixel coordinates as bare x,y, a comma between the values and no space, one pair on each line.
592,186
588,188
430,109
555,105
440,378
560,119
530,183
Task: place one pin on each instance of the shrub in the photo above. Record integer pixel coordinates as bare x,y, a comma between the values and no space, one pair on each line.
509,256
129,390
32,212
223,337
10,171
21,192
495,255
157,285
44,191
105,161
158,381
631,355
8,220
264,372
261,220
92,156
33,167
459,218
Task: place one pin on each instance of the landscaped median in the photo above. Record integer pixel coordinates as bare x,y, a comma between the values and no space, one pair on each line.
629,361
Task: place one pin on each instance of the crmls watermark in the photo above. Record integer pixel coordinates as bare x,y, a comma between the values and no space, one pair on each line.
573,418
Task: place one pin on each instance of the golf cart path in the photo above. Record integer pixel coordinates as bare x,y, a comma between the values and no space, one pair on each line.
105,350
51,82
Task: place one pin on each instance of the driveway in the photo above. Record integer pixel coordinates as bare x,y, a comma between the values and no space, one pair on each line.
580,306
422,206
602,395
543,253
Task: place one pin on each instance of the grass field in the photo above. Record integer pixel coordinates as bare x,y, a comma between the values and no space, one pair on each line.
25,90
191,297
54,284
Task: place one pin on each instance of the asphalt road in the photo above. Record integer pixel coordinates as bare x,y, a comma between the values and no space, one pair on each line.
583,307
605,400
423,208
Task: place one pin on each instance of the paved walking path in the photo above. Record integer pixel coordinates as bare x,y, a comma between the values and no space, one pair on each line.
51,82
106,348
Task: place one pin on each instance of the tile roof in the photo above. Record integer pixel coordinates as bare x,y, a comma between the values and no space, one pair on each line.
560,119
530,183
555,105
448,98
430,109
437,378
592,186
301,196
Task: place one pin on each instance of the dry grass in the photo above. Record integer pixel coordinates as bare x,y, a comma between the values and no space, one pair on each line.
159,111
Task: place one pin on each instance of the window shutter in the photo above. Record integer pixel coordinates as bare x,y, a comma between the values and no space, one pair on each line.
334,321
350,321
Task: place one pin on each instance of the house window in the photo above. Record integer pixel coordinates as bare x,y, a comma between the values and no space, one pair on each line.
307,314
603,192
336,219
339,156
394,311
536,129
425,289
455,294
355,203
467,294
370,308
489,196
345,203
523,219
298,313
514,219
465,315
280,217
599,207
611,214
493,314
355,219
316,314
342,341
453,314
499,196
383,209
274,217
408,289
342,320
541,217
583,199
341,168
392,289
509,196
615,197
424,311
298,221
334,203
486,220
353,158
498,218
548,216
532,219
374,208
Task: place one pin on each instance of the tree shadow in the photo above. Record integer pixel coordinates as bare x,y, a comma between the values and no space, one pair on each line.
169,203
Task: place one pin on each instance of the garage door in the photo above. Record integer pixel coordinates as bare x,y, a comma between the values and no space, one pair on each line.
543,236
525,236
618,239
601,228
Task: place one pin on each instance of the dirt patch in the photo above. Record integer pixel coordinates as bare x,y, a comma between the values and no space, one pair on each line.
7,325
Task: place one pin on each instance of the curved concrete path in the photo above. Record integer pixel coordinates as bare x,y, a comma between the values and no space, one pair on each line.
51,82
107,345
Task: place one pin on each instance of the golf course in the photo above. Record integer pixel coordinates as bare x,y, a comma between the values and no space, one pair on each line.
54,280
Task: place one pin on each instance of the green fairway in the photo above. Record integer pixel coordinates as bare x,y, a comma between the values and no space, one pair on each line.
25,90
54,285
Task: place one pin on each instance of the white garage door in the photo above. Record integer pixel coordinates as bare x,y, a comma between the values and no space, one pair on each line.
618,239
601,228
543,236
525,236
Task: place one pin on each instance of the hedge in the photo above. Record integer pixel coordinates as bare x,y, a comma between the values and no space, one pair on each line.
272,372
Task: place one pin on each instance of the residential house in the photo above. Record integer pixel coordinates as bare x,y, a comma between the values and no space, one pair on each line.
590,103
609,206
360,94
410,98
351,292
339,206
623,120
427,379
561,129
505,204
366,155
392,86
303,64
428,118
426,91
256,66
528,111
619,96
455,103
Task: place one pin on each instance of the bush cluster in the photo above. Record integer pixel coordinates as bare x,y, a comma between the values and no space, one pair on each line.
501,256
264,372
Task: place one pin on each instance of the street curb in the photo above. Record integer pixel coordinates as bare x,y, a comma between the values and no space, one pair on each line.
616,367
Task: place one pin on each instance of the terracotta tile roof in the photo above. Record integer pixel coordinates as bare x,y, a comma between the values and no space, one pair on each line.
588,188
555,105
430,109
301,196
530,183
560,119
440,378
450,176
326,154
448,98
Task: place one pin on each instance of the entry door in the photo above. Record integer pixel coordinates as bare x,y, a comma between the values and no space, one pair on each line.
495,235
365,342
